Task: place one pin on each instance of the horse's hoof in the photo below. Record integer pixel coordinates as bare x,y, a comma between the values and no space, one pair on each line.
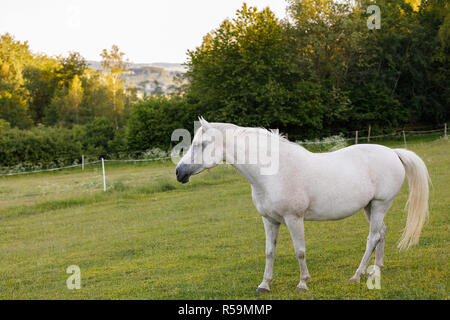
262,290
354,279
301,288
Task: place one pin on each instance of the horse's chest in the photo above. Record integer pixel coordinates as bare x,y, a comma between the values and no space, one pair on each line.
270,206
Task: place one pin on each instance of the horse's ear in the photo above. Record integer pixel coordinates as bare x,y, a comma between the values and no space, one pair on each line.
205,124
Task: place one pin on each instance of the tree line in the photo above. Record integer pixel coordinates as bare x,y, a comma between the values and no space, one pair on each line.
36,89
323,71
318,72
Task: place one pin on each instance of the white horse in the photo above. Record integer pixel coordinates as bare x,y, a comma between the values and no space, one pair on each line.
316,186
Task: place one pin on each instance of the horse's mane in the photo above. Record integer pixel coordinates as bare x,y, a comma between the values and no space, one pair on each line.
239,131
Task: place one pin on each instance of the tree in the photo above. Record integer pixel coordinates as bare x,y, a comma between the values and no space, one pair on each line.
72,65
75,96
98,133
113,62
14,58
153,120
405,64
157,89
244,72
143,87
41,81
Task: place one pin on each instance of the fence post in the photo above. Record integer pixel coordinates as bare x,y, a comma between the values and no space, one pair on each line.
82,162
104,177
368,135
356,137
445,131
404,138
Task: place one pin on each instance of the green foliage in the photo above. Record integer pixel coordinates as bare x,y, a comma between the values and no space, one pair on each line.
14,57
324,71
71,66
97,135
376,107
13,109
327,144
4,124
318,73
113,61
153,120
37,89
65,106
46,147
41,82
41,147
405,65
243,72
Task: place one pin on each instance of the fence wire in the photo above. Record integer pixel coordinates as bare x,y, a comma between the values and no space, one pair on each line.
80,165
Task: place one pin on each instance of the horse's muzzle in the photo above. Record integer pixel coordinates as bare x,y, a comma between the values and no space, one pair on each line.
183,174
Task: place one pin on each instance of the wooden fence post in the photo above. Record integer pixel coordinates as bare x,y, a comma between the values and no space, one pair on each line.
404,138
104,177
356,137
445,131
368,135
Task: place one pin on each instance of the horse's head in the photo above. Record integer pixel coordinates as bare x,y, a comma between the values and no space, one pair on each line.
205,152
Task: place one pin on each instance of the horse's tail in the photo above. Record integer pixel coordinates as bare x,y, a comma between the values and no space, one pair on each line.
418,178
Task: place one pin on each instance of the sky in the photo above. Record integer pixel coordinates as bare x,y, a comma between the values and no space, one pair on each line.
147,31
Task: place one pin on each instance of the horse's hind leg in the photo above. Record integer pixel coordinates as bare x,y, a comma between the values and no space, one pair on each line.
296,229
379,255
377,232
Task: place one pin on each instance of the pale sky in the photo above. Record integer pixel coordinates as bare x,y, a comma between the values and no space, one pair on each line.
146,30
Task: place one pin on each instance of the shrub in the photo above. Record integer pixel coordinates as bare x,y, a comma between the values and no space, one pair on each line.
40,147
153,120
327,144
47,147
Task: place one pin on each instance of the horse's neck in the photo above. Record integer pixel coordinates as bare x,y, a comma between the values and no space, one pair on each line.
250,172
286,152
253,171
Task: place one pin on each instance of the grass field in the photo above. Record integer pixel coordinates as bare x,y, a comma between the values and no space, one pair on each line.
149,237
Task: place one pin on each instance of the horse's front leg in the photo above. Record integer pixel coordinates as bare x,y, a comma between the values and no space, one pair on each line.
296,229
271,229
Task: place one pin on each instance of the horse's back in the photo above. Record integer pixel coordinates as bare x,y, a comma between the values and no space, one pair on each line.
385,168
344,181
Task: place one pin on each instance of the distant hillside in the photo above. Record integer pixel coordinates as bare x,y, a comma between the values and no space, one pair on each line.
143,75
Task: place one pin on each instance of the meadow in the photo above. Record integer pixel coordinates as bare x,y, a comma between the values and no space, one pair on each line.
149,237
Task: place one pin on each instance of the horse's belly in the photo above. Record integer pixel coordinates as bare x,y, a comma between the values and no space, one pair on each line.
336,208
322,216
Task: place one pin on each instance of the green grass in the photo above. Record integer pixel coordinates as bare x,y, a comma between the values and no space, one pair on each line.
149,237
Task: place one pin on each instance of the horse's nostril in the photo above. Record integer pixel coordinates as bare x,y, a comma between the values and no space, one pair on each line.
176,171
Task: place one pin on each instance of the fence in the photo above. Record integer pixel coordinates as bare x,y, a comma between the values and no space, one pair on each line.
359,138
82,165
356,139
